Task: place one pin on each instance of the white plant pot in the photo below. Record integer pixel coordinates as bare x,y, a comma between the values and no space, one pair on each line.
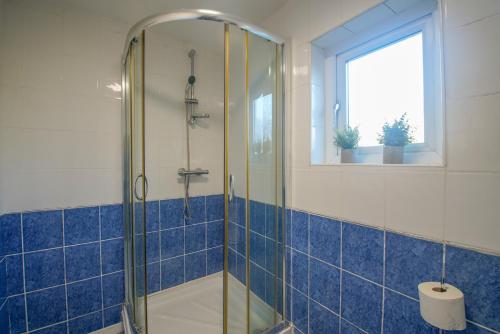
393,154
347,156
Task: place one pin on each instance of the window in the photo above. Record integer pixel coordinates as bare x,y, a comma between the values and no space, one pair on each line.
262,126
367,73
382,84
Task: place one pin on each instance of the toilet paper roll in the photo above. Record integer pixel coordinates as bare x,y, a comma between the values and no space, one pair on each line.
442,308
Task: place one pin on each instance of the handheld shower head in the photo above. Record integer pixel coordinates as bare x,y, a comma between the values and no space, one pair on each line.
192,53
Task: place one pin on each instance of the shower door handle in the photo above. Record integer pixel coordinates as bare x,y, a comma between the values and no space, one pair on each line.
139,198
231,187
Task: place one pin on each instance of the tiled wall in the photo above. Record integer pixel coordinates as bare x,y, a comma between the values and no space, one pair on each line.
349,278
179,250
436,203
262,248
64,268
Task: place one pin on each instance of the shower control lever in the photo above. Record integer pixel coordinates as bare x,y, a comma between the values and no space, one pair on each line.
186,172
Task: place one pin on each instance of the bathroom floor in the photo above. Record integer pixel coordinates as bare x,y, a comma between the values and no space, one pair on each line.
196,307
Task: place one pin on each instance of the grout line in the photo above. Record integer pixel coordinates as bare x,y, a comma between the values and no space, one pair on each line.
383,286
100,267
341,273
65,274
26,320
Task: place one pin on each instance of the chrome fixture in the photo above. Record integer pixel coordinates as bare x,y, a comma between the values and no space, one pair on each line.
191,118
189,99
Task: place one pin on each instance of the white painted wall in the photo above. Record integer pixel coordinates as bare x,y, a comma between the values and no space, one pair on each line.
459,203
60,125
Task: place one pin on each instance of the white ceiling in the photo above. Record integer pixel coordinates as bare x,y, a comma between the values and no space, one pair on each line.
133,10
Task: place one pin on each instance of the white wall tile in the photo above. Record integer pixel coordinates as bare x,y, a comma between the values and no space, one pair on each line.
472,133
415,201
471,59
473,209
362,195
462,12
317,190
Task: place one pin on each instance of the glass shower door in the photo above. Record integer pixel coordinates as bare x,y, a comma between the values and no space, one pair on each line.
135,186
254,196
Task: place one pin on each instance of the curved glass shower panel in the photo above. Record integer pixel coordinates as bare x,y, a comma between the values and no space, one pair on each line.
135,191
236,181
180,116
263,177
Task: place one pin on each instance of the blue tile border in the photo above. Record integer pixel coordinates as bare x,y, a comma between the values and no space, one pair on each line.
390,265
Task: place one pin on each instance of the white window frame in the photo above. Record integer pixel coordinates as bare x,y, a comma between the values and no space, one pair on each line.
364,44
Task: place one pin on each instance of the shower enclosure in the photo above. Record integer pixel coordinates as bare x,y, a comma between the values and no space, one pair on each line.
203,176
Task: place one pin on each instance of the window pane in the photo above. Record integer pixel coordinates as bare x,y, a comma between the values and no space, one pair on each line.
383,85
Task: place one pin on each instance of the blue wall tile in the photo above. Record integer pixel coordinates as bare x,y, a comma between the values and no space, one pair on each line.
82,261
84,297
402,315
215,260
14,267
172,243
258,280
112,315
477,275
152,216
39,314
258,217
258,249
324,284
153,247
4,319
61,328
361,303
241,268
322,320
300,231
196,265
197,210
300,271
241,240
17,314
325,239
363,251
112,224
241,211
299,311
86,324
171,213
113,289
172,272
410,261
3,280
269,250
42,230
81,225
10,234
44,269
196,237
471,329
215,207
347,328
215,233
112,255
270,220
153,272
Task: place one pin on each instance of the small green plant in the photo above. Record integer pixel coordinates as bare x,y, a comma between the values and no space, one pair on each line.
347,138
399,133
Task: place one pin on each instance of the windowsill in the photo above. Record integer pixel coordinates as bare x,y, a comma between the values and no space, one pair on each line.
373,156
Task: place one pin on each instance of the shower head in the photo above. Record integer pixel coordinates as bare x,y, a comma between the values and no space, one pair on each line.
192,53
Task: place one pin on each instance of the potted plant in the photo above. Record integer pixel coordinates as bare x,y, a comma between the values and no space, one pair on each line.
347,139
395,137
